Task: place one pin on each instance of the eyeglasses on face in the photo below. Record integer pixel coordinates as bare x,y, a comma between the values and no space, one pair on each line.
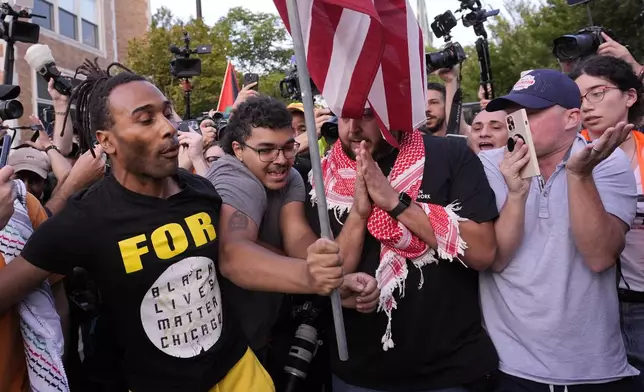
597,94
270,154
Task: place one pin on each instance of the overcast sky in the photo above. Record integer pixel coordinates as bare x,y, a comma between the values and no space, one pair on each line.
214,9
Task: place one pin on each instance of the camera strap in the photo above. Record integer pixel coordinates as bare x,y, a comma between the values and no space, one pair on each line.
454,124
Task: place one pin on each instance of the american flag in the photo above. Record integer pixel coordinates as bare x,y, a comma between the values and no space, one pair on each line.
365,53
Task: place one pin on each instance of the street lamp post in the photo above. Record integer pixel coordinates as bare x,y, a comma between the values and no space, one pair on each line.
199,15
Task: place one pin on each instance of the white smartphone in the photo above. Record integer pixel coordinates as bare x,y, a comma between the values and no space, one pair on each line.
519,127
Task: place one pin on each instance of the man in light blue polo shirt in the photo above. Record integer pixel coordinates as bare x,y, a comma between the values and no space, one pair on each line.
550,302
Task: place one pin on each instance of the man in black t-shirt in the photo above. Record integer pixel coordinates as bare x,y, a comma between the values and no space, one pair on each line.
434,339
147,235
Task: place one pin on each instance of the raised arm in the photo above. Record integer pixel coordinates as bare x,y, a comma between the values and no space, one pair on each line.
601,198
512,193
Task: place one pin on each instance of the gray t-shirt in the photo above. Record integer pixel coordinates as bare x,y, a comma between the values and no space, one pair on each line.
552,319
239,188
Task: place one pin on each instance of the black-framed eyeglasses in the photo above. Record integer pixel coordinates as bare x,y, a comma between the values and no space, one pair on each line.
596,95
270,154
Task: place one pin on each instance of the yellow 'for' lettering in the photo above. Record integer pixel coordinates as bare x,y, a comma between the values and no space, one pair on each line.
201,228
161,244
131,253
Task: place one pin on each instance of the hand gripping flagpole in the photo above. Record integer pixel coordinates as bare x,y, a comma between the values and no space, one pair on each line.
316,166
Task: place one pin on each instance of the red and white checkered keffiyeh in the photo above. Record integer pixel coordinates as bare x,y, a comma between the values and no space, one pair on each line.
397,242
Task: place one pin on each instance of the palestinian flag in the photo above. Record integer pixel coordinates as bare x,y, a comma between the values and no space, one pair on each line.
229,90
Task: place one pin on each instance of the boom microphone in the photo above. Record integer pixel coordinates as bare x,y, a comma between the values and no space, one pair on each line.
40,58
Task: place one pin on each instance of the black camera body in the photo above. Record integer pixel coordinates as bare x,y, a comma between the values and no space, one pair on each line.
585,42
443,24
453,52
290,85
304,345
17,30
182,66
450,56
329,130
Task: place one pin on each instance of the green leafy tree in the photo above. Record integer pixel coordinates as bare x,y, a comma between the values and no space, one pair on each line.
257,42
523,40
149,55
244,37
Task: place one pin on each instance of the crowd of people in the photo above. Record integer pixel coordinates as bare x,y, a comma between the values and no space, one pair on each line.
137,257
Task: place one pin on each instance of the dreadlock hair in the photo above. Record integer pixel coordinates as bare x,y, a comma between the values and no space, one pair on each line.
89,101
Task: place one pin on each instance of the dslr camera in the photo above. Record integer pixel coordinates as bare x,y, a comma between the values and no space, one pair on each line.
571,47
453,52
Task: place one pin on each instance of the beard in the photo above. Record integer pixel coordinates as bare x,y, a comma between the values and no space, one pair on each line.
435,128
382,148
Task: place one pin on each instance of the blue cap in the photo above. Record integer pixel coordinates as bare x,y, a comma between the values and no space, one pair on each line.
540,89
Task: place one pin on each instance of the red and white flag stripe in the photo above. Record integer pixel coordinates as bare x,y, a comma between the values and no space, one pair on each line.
365,53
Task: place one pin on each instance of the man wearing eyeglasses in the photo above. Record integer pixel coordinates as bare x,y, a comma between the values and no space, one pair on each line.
265,236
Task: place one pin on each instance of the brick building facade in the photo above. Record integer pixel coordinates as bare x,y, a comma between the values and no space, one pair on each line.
76,30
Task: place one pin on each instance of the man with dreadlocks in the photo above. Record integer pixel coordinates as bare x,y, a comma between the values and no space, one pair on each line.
146,233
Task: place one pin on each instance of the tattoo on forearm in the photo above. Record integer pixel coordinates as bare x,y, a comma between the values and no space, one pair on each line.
238,221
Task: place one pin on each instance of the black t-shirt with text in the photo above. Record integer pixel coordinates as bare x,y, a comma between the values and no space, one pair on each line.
437,330
155,263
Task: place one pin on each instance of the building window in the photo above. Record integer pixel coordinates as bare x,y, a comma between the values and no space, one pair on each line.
89,25
68,24
46,9
74,19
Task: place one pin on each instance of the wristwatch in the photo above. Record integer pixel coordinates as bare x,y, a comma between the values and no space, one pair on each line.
52,147
404,201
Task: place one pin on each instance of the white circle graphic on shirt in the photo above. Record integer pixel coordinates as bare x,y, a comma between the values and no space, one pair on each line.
181,312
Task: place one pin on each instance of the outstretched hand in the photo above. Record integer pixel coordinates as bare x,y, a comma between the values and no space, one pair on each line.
583,162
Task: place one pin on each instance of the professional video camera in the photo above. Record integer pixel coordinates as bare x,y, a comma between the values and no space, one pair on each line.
290,85
14,31
475,18
10,108
584,43
185,67
453,52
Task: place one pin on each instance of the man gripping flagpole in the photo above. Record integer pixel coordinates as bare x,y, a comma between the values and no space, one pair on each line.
360,53
311,134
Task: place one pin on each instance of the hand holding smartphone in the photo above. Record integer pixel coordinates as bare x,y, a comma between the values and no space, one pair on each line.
251,78
518,127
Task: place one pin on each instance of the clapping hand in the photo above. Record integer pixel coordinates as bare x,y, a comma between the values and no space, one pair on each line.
380,190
